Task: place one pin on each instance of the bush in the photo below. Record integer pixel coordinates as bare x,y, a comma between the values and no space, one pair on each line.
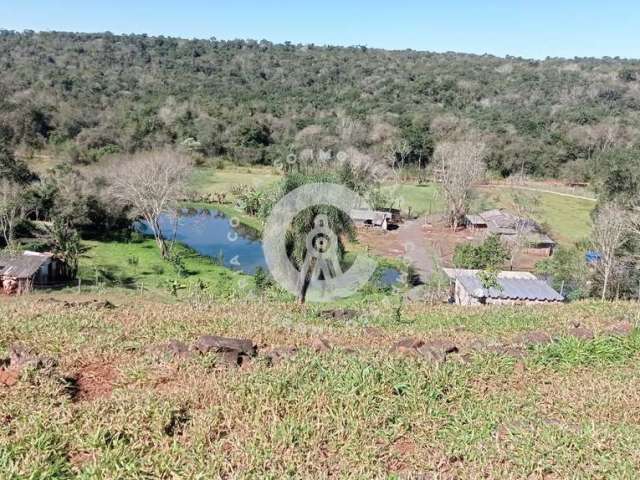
490,255
136,237
250,201
178,265
568,271
262,279
157,269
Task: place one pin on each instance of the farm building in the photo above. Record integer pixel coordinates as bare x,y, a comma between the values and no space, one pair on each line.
511,228
20,274
372,218
514,288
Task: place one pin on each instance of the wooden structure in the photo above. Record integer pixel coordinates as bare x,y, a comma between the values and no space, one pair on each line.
372,218
511,228
20,274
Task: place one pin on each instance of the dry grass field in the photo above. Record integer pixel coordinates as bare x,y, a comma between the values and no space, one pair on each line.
526,395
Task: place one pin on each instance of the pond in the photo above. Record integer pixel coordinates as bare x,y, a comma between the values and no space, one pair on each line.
390,276
211,233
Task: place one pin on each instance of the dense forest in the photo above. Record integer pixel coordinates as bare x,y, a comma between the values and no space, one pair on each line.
82,96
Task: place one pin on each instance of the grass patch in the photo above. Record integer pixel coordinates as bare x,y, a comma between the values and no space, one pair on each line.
569,352
212,180
416,199
569,219
135,265
355,411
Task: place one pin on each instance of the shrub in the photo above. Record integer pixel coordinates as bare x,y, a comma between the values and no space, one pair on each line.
490,255
157,269
136,237
262,279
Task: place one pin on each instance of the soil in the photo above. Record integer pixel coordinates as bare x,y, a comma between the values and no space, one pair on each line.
425,241
94,381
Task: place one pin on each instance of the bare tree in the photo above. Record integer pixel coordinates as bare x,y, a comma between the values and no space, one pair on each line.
11,209
151,184
611,229
523,205
462,168
395,156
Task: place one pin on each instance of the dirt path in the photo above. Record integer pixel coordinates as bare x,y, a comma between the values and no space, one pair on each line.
411,236
540,190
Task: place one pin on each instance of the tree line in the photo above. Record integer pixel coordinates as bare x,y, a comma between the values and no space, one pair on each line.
82,97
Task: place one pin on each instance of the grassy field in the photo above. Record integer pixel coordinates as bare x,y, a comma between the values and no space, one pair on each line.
568,218
139,265
214,180
114,409
416,199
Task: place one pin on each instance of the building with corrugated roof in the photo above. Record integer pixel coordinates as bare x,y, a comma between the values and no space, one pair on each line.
20,274
511,229
513,288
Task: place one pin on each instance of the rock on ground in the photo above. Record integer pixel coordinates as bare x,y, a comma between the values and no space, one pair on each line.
436,351
231,352
620,329
21,358
215,344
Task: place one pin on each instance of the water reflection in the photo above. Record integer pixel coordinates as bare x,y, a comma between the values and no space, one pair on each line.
212,233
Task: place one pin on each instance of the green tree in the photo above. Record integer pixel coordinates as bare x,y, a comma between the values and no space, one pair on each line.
66,246
12,169
568,271
338,222
491,254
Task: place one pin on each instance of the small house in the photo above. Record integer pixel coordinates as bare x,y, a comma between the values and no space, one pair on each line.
21,274
514,288
534,243
372,218
511,229
476,222
396,215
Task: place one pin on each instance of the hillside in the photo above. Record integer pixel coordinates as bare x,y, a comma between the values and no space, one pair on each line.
106,397
81,96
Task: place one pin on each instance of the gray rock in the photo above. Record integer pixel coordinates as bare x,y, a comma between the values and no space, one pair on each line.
338,314
535,338
215,344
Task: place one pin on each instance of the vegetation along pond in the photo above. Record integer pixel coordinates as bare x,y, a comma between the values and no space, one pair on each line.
212,234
